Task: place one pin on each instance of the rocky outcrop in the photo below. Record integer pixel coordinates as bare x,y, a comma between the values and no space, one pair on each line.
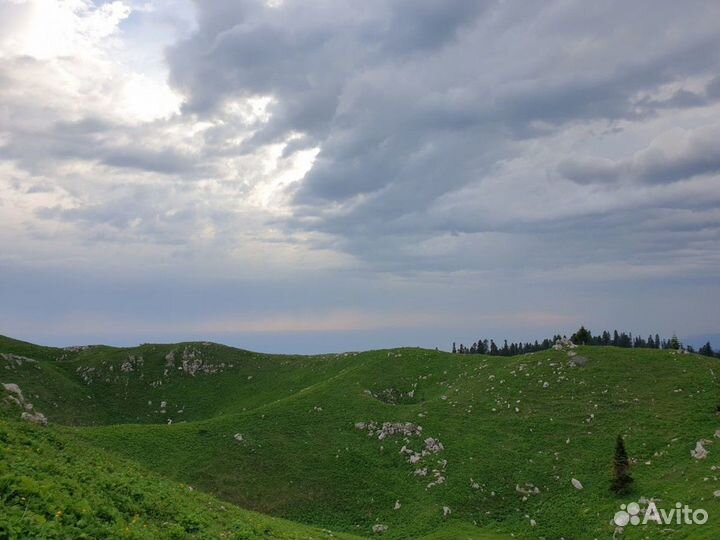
16,360
14,389
28,414
35,418
132,363
431,447
564,344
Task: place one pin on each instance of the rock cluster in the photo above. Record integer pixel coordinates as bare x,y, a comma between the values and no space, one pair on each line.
431,446
132,363
564,343
16,360
192,364
388,429
29,414
527,490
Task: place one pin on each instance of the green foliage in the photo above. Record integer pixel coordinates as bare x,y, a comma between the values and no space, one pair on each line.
504,422
54,487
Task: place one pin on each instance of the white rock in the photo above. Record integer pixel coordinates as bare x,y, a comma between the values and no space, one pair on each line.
446,511
576,483
700,452
397,505
379,529
35,418
14,389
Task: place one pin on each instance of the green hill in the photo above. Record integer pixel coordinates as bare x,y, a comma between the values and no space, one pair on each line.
411,443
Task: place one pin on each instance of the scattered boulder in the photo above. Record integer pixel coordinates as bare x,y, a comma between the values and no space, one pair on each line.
446,511
527,489
578,361
700,452
576,483
35,418
433,446
379,528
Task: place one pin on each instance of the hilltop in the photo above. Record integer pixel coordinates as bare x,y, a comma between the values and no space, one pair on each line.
403,443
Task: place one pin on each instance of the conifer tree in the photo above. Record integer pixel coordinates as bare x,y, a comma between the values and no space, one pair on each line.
582,336
622,481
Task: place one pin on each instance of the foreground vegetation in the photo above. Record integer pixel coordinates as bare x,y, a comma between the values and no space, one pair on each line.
52,486
303,437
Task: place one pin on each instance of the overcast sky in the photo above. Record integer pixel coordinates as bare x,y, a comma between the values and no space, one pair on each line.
323,175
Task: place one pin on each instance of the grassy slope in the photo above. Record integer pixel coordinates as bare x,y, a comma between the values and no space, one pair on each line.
52,486
302,458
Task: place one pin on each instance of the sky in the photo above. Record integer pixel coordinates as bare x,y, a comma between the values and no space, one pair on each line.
330,175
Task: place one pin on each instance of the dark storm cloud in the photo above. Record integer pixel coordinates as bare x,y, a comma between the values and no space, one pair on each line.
410,102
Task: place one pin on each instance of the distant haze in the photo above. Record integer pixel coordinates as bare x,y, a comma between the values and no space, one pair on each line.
289,176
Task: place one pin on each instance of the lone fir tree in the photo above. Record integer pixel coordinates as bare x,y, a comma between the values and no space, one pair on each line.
582,336
622,481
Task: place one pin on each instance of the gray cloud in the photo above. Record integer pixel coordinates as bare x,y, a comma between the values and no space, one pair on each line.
412,102
680,155
518,153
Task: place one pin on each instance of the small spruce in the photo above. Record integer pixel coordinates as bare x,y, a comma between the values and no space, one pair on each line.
622,481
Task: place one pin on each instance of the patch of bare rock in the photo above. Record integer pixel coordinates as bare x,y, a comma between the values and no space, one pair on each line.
28,414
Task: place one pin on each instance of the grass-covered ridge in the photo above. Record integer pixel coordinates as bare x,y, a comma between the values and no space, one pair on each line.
303,437
53,486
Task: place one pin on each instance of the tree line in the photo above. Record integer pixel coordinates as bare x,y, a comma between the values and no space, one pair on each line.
582,337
